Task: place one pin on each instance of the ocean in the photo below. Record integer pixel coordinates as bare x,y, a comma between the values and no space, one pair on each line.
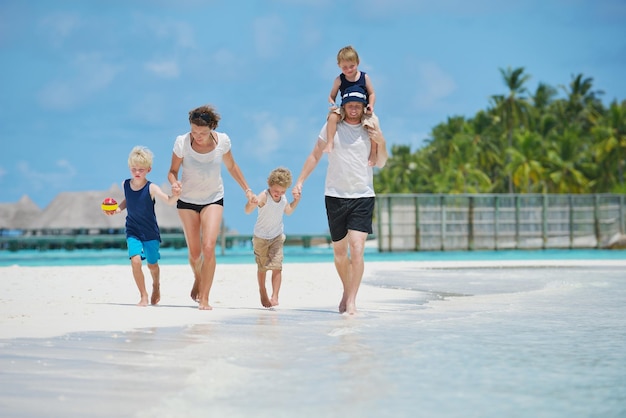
296,254
522,341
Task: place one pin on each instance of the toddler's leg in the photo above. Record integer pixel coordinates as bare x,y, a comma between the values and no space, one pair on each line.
277,278
265,300
331,130
370,121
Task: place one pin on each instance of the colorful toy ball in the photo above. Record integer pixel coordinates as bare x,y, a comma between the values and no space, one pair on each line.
109,204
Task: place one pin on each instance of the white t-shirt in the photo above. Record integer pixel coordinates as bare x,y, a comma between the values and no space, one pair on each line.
269,223
348,174
202,173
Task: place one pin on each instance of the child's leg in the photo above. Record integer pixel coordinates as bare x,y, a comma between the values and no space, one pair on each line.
135,263
265,301
277,278
370,121
331,130
155,271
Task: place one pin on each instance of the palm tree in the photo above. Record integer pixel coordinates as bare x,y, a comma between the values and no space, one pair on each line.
610,147
526,163
397,176
567,161
489,153
514,109
543,120
583,104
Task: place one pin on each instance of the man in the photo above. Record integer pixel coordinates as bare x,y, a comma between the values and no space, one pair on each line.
349,190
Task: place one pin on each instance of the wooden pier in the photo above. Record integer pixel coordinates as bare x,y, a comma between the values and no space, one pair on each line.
70,241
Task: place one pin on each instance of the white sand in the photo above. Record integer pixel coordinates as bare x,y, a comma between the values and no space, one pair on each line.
405,351
51,301
44,302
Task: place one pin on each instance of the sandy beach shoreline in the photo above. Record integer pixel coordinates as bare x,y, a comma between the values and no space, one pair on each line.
40,302
429,336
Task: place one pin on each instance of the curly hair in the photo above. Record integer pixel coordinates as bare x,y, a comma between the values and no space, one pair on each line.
280,176
204,116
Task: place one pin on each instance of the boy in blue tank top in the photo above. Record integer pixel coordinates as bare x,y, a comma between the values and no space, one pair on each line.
348,61
142,231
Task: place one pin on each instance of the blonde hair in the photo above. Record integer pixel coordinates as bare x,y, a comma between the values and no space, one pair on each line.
348,53
280,176
140,156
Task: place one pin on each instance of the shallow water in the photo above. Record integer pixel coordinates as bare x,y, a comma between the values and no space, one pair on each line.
480,342
295,254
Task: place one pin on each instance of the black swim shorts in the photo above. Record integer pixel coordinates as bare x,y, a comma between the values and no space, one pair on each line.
198,208
344,214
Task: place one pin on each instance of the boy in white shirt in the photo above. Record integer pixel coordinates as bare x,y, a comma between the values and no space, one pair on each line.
269,234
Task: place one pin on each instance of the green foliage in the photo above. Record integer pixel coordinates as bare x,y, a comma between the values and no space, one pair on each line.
522,143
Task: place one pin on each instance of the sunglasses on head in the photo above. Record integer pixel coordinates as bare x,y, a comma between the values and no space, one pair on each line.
202,115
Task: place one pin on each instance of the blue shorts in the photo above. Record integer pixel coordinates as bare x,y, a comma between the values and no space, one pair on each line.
148,250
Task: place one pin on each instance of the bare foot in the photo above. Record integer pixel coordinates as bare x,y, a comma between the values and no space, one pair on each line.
351,309
194,290
265,301
143,301
342,305
274,300
206,307
156,294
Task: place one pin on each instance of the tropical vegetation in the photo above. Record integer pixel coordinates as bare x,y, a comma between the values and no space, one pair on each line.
524,142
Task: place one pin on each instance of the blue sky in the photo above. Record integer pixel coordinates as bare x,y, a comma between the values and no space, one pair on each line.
82,82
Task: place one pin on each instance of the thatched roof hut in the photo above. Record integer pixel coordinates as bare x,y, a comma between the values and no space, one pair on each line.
81,210
19,215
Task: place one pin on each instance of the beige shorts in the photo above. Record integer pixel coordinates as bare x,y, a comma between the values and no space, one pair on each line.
369,120
268,253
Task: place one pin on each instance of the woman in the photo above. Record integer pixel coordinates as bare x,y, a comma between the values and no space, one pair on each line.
201,153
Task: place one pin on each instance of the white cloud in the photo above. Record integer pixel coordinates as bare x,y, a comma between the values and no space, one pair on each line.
165,69
270,133
377,9
181,32
433,85
267,139
90,75
39,180
269,33
59,26
226,60
309,3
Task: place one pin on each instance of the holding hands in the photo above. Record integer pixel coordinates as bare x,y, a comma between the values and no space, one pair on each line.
177,188
252,198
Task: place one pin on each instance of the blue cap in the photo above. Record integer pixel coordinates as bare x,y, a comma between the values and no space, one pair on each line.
354,94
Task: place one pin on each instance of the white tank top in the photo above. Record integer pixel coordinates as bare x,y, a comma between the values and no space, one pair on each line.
269,222
348,174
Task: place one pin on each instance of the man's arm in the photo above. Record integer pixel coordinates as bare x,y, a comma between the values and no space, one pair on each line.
309,164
